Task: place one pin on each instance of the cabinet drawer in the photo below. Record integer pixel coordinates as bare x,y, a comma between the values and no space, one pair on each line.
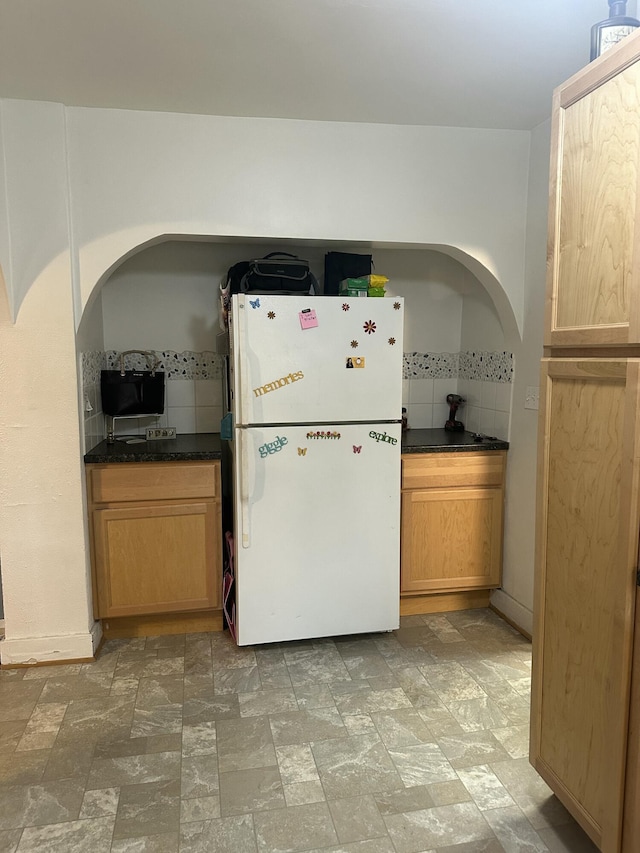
441,470
148,481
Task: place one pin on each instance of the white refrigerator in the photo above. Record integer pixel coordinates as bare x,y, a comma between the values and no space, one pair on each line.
316,397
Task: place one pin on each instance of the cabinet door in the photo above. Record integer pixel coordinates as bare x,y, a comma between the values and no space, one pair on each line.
451,539
586,555
593,288
631,823
157,558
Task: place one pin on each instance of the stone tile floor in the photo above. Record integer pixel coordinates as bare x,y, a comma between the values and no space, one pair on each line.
402,742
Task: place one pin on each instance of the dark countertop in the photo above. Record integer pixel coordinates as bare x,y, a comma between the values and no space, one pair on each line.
183,448
203,446
439,440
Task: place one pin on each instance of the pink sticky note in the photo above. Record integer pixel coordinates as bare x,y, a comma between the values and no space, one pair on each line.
308,318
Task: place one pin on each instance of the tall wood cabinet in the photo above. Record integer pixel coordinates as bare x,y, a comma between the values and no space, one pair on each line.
588,524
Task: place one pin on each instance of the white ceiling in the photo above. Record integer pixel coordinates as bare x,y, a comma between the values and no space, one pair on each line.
467,63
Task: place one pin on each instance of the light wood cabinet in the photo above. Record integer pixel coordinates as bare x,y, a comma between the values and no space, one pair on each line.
588,505
156,537
452,524
593,219
585,594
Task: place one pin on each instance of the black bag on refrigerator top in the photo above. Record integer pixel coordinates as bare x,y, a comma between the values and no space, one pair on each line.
133,392
341,265
276,273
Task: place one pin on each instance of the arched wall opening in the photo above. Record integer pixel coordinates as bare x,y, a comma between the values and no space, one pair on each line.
162,295
437,281
103,200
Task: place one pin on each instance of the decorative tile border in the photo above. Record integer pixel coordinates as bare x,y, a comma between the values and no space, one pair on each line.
92,364
487,366
484,366
177,365
430,365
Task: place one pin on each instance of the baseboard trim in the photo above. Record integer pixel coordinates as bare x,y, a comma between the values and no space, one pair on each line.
414,605
155,625
514,613
35,651
97,636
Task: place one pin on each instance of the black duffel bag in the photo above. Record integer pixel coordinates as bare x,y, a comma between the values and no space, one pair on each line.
133,392
277,273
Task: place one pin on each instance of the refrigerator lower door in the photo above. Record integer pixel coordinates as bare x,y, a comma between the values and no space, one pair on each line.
317,531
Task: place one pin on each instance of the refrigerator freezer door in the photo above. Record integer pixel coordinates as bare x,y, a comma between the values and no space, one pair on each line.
316,360
317,531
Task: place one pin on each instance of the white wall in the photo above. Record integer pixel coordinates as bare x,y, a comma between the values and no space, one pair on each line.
166,296
449,311
42,528
36,192
487,407
516,597
5,314
44,552
90,339
90,336
134,176
6,295
432,285
480,325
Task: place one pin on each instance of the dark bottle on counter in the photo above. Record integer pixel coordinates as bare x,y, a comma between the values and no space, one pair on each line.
609,32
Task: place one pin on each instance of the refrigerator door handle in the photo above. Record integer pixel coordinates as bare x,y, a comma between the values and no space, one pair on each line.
244,489
243,403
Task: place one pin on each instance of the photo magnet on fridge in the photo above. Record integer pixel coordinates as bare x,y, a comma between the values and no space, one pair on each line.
355,361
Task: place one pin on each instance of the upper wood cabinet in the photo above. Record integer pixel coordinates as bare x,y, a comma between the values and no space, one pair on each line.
594,241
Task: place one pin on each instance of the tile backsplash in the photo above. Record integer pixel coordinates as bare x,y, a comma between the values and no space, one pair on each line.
483,379
193,393
91,363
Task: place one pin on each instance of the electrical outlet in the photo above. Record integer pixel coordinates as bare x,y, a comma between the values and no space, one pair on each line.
532,397
154,433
